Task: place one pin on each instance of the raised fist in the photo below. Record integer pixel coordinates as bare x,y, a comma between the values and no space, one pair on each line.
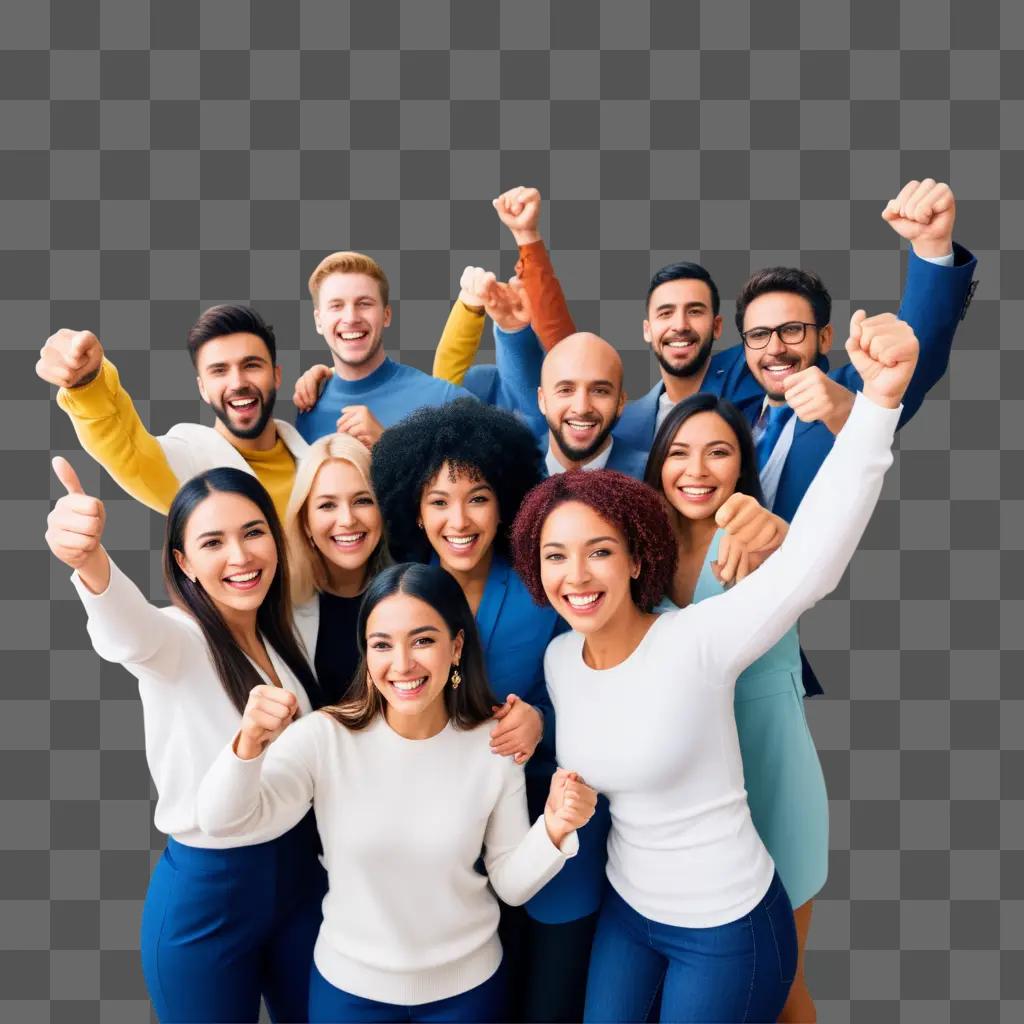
519,210
309,385
751,534
508,305
474,286
814,395
268,712
570,805
884,352
923,213
70,359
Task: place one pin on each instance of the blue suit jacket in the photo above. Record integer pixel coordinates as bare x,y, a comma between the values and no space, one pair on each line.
934,301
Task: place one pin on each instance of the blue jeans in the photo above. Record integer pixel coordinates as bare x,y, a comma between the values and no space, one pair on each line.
330,1005
736,972
221,928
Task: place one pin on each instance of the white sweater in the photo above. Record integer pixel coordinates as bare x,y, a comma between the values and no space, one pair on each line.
407,919
657,734
186,713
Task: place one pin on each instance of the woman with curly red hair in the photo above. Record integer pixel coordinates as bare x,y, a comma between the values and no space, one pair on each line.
644,705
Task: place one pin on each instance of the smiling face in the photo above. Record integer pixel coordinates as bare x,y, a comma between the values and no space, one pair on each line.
702,466
239,381
409,656
230,552
586,567
460,517
774,363
681,326
342,517
581,394
351,316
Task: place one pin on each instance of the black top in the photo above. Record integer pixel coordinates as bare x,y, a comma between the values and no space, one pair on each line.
336,653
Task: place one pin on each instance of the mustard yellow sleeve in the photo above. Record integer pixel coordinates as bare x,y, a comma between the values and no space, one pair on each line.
460,339
110,430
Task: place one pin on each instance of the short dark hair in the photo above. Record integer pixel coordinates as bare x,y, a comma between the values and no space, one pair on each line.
748,483
786,279
633,508
217,321
468,704
682,271
486,443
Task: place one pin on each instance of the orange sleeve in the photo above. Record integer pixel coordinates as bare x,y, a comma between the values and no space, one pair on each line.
551,318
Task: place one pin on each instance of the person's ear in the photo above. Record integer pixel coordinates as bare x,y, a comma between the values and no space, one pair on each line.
183,565
277,378
202,390
825,339
387,315
316,320
647,331
457,645
540,402
716,327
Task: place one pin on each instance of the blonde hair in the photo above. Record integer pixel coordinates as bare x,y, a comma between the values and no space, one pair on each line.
348,263
307,567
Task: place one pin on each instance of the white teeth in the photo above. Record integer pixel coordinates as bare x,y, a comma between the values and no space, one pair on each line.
697,491
412,684
679,344
580,424
778,369
244,577
581,600
348,538
461,542
242,403
352,335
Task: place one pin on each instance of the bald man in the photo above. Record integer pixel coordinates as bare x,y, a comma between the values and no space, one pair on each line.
581,397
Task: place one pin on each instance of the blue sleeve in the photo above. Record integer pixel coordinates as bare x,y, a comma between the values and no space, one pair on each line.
518,356
934,301
304,427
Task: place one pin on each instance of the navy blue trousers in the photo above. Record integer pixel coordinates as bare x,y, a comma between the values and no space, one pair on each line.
732,973
221,928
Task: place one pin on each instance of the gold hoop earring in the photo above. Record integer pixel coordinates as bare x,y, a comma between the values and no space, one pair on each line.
456,677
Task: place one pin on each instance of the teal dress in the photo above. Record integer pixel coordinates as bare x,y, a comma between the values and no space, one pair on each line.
785,786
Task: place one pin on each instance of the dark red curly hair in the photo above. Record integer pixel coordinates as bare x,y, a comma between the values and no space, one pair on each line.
633,508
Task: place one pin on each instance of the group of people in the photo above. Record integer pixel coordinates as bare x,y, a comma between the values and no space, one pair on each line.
480,694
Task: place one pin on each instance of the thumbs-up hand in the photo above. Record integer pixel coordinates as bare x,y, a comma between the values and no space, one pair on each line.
884,352
924,213
69,358
519,210
74,530
268,712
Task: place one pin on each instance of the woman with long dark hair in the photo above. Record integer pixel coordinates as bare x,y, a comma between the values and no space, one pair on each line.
335,536
205,955
644,704
450,480
407,796
703,464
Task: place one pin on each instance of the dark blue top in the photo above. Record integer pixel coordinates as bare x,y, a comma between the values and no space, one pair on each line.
391,392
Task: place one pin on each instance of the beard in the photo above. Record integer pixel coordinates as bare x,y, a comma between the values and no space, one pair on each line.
266,411
692,368
579,454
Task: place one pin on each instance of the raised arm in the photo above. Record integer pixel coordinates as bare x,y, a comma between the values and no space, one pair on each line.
737,627
250,788
460,339
104,417
519,210
521,860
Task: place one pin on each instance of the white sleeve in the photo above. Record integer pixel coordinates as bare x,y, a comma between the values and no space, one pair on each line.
521,860
272,791
125,628
735,628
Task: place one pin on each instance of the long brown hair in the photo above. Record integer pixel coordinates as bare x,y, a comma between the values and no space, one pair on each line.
469,704
274,616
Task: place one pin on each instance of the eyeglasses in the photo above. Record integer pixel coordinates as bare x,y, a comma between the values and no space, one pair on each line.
789,334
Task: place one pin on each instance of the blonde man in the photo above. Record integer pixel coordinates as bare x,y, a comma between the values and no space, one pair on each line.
367,391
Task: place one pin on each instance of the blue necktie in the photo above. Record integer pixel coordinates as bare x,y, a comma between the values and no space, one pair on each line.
772,420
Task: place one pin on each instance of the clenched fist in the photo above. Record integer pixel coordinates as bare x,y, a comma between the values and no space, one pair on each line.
884,352
268,712
70,359
519,210
74,530
358,421
924,213
472,288
751,534
814,395
570,805
508,305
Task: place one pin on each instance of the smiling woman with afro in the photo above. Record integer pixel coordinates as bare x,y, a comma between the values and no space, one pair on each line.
473,439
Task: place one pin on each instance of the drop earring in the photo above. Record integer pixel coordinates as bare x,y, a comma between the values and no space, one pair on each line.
456,677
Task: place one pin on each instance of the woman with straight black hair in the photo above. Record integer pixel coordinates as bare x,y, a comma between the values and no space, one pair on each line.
206,955
703,464
407,796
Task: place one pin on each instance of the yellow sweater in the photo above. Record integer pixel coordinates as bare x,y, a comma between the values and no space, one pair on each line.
110,430
456,351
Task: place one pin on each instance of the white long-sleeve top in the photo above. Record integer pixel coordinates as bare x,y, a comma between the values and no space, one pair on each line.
186,713
407,918
657,733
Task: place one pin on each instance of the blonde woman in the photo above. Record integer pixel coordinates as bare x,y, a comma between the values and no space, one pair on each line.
334,532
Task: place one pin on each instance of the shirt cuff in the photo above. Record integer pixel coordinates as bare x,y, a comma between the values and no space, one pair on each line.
939,261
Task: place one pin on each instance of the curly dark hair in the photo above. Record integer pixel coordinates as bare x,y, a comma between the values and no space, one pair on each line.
633,508
473,438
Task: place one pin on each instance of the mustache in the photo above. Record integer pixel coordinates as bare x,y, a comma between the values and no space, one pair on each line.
247,392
